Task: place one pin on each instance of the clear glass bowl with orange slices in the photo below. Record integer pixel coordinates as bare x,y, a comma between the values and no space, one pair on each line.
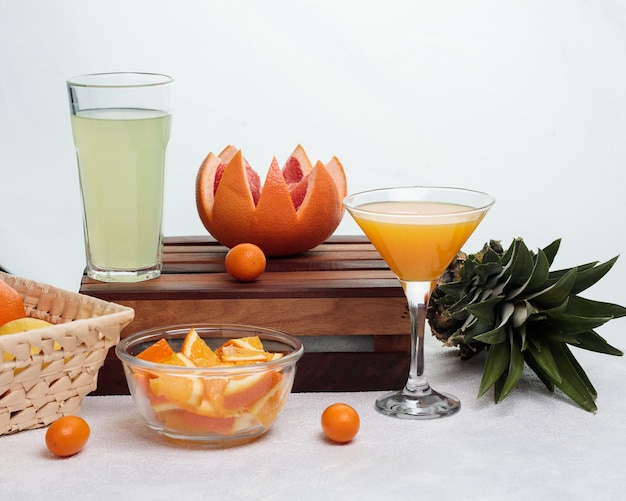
217,385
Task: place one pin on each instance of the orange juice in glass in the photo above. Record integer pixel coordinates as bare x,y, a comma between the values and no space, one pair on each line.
408,245
418,231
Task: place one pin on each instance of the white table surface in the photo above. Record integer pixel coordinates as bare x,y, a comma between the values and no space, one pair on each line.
533,446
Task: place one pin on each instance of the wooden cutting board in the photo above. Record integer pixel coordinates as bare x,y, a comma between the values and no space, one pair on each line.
340,288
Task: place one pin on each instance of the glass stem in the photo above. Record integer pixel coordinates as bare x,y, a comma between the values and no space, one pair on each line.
417,294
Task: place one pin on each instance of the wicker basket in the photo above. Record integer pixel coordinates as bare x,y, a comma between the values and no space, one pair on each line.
45,373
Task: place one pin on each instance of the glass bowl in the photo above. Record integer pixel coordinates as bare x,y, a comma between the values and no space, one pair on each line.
212,406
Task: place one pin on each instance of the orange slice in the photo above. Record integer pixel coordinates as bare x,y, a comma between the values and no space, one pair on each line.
142,382
157,352
243,350
177,359
185,421
196,350
214,392
251,342
237,354
183,390
240,393
267,407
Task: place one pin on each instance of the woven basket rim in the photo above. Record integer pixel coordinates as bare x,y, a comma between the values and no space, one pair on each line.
50,369
112,313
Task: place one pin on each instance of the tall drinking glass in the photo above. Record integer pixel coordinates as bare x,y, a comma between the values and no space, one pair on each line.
418,231
121,126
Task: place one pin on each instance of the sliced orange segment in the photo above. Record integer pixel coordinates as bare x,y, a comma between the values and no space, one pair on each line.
189,402
248,343
180,389
162,404
183,390
251,342
205,408
196,350
142,382
214,391
267,407
237,354
245,349
157,352
178,359
182,420
242,392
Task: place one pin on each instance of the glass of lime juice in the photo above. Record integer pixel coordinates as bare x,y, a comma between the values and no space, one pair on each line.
121,126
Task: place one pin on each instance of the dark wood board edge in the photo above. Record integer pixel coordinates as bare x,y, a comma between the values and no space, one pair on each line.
316,372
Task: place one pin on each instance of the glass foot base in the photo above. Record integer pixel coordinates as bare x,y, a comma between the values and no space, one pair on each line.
122,275
429,405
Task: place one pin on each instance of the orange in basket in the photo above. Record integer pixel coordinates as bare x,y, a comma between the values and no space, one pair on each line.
46,372
11,304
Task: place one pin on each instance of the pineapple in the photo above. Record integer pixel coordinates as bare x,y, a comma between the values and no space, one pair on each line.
509,304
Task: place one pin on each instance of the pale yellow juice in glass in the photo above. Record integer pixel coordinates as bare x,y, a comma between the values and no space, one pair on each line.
417,250
121,159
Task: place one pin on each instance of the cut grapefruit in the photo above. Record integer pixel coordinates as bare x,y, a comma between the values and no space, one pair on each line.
296,209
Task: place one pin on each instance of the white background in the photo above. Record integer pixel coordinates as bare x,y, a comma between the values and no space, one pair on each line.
523,99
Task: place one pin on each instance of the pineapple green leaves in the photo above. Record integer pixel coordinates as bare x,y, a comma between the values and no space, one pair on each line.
511,305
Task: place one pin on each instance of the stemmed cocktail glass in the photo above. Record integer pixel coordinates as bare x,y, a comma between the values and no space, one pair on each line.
418,231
